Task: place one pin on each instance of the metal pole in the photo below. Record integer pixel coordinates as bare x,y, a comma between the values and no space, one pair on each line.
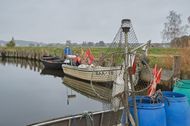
135,49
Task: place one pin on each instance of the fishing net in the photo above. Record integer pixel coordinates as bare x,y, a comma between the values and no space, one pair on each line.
139,73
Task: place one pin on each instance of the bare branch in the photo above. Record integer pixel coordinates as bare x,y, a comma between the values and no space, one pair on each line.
173,28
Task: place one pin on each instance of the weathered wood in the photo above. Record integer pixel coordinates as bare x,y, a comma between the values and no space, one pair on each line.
176,66
25,54
98,74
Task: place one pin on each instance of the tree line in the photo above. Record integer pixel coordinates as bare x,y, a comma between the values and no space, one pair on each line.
175,31
87,44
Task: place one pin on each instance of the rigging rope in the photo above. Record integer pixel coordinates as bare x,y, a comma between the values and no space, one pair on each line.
89,118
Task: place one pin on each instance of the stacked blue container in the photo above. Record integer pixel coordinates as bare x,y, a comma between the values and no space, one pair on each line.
67,51
177,109
149,114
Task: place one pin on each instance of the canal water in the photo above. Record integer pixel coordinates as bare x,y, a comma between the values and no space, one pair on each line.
30,94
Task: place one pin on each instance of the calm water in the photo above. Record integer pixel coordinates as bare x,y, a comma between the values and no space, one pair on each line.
29,94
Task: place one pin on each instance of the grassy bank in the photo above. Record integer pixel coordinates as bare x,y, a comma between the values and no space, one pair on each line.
164,57
161,56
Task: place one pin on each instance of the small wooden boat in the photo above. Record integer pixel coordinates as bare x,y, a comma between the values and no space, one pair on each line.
95,74
52,62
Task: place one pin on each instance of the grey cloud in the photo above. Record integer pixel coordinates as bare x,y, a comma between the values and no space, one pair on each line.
88,20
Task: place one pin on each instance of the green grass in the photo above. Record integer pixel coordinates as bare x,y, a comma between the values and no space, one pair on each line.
159,56
97,52
164,51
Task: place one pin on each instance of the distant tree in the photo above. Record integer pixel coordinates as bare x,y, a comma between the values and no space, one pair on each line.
68,42
11,43
188,19
31,44
100,43
90,44
75,44
38,45
84,43
173,28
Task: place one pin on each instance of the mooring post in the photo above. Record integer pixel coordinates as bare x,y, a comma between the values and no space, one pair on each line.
125,29
176,66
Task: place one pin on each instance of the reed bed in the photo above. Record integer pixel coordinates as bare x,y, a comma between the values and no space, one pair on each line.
160,56
185,60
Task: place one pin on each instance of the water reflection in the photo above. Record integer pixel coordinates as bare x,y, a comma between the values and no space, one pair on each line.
29,94
70,95
51,72
22,63
94,91
28,97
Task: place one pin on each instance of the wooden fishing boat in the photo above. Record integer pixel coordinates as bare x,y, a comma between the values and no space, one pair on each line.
100,74
52,62
89,73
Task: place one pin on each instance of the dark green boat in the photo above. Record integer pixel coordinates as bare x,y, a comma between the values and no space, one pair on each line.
183,87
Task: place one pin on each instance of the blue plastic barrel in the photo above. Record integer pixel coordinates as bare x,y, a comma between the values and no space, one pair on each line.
67,51
149,114
177,109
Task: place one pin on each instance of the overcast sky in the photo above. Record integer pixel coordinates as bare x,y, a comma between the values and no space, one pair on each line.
85,20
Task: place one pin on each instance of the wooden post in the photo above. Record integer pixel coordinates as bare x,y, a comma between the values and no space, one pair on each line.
126,28
126,88
176,66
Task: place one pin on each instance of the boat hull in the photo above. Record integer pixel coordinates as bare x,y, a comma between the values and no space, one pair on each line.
52,62
52,65
103,74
